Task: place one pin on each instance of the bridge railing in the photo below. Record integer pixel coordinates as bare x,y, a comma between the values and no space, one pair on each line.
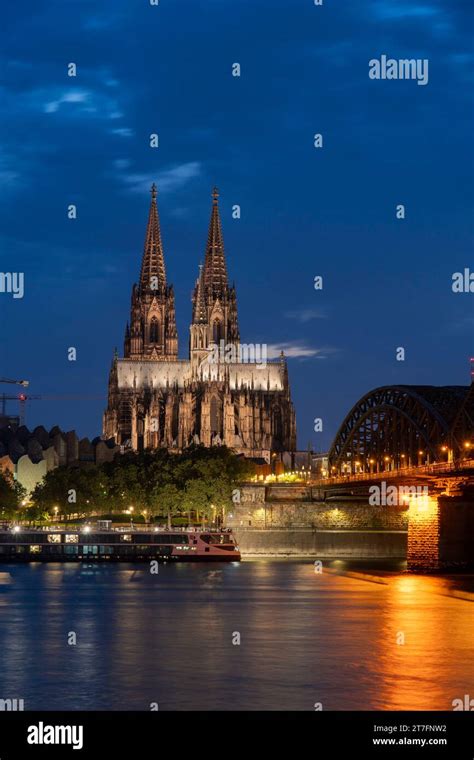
437,468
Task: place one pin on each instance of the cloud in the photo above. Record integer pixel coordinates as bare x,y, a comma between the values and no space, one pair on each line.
68,96
305,315
9,175
167,180
464,324
298,351
398,10
74,101
122,131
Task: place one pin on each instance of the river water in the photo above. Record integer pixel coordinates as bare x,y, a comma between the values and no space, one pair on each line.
349,638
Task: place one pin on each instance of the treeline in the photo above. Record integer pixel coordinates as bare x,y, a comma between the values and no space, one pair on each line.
197,484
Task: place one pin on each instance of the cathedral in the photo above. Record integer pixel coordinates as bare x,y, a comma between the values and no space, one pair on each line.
215,396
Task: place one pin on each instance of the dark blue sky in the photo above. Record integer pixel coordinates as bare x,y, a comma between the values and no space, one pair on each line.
305,212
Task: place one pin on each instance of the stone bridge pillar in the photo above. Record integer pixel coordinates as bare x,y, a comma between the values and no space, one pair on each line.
424,532
441,530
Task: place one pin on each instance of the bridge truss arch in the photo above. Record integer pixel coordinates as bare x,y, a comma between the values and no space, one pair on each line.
397,426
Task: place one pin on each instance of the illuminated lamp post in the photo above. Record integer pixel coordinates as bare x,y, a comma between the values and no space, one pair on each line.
446,451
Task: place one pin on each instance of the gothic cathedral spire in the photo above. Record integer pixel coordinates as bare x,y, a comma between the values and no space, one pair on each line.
212,293
153,273
215,270
152,333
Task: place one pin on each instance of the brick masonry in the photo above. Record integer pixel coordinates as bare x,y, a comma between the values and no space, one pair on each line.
291,521
273,521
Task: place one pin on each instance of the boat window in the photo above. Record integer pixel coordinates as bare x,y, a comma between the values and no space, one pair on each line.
89,549
54,538
210,538
72,538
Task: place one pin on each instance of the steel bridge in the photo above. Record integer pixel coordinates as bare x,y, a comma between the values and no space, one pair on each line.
404,426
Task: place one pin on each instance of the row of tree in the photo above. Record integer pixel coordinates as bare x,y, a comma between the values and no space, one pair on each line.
198,483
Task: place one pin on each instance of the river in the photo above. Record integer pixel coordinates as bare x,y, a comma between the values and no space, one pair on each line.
348,638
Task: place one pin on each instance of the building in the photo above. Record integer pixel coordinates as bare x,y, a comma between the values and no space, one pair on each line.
29,455
224,393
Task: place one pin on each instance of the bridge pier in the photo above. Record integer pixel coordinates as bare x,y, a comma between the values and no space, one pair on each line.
424,531
441,533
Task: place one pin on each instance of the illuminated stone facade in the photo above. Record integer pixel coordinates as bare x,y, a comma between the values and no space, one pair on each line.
214,397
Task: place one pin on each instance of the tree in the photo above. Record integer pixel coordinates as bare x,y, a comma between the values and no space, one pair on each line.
197,480
11,495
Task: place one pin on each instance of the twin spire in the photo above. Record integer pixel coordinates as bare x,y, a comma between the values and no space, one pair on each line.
152,333
213,277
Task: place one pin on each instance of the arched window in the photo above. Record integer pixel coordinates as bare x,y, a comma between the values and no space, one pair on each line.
216,331
175,420
277,425
154,331
215,416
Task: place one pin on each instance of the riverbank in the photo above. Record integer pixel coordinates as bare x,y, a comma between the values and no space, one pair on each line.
322,544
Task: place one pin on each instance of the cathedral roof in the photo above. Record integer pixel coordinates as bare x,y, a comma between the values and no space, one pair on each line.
133,374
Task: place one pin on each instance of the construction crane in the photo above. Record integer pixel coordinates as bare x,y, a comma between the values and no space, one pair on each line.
21,397
24,383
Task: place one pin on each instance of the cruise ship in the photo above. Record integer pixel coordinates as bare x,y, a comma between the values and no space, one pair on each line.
96,543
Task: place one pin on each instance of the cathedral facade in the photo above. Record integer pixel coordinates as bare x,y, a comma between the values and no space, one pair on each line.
216,396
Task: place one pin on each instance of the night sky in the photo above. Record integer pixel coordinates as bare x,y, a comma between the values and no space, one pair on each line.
305,211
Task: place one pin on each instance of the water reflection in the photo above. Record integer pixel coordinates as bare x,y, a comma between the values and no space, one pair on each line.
350,638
